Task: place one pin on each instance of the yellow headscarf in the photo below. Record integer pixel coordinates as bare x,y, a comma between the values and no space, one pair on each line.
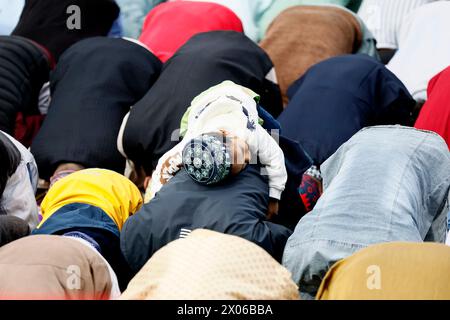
391,271
105,189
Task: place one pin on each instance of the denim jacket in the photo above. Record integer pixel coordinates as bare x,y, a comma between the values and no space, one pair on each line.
387,183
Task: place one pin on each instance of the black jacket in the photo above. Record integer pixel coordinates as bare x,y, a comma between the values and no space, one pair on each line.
207,59
237,207
24,68
93,87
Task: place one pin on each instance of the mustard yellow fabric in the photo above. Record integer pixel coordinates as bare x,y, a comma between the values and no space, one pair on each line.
105,189
208,265
391,271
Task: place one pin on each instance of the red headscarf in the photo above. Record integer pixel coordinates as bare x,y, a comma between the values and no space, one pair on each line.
170,25
435,113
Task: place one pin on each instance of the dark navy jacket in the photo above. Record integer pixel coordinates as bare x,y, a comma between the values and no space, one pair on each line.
338,97
237,207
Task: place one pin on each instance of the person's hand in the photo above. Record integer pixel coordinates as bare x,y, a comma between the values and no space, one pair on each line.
272,209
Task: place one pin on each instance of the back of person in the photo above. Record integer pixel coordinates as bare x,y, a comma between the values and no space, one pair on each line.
238,207
24,68
248,11
18,181
391,271
53,268
302,36
58,24
385,17
93,87
422,53
387,183
225,267
92,204
338,97
170,25
207,59
435,113
279,6
328,105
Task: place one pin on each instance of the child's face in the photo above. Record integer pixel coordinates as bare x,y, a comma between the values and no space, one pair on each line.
240,153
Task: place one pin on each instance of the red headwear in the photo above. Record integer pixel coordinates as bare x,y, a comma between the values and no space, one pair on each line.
435,114
170,25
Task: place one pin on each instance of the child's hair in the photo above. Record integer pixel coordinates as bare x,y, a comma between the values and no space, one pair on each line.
9,161
207,159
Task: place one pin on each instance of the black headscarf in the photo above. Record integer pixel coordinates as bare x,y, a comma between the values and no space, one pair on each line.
11,229
24,68
338,97
93,87
45,21
207,59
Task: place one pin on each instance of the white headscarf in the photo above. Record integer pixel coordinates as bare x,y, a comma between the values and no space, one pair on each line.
18,198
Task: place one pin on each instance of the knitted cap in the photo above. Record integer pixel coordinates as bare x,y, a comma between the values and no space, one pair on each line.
207,159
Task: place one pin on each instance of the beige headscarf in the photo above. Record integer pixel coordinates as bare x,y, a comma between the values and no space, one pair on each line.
391,271
45,267
302,36
212,266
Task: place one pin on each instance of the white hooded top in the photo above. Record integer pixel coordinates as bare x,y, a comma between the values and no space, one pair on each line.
18,198
384,17
423,47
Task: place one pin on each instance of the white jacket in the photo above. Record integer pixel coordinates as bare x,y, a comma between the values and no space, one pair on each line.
423,51
18,198
228,107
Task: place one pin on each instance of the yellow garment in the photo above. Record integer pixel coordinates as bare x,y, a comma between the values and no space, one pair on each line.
105,189
391,271
208,265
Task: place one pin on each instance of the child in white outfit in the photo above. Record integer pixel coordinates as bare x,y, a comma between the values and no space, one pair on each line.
229,111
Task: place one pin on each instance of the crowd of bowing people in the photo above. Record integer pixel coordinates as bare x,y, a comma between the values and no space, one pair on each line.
252,149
